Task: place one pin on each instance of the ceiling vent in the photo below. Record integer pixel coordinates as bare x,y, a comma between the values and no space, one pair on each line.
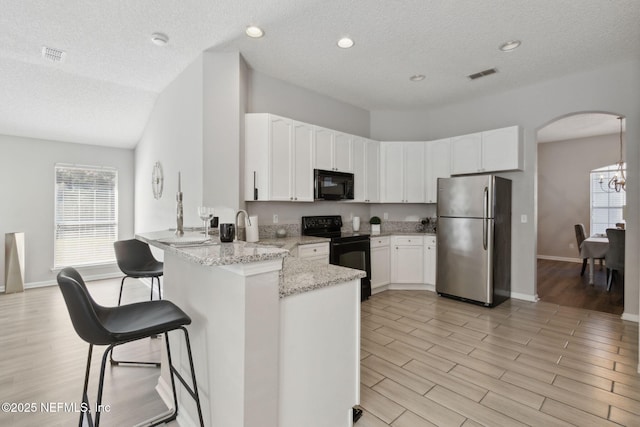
482,73
52,54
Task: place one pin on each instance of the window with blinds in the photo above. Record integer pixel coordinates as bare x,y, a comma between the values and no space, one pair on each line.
606,204
86,215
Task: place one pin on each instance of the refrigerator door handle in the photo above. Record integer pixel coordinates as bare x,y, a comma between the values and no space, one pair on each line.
485,218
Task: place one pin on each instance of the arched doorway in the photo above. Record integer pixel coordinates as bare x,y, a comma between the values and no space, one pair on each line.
569,149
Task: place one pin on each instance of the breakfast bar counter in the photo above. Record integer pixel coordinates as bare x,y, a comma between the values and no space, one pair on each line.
275,338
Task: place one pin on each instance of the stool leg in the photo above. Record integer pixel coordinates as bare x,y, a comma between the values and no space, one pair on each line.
192,391
159,289
101,384
85,397
121,285
194,394
151,297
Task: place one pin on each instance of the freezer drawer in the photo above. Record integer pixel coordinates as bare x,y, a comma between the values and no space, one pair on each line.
465,258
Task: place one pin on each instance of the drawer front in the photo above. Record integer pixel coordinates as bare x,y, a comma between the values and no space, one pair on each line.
313,250
407,240
377,242
430,240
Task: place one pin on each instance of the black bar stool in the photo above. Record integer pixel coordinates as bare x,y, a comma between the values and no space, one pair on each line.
136,260
113,326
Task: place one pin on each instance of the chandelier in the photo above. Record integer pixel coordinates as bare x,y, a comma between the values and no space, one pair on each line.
618,181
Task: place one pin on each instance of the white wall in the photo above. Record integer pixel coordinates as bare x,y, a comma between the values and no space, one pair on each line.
173,136
613,89
27,194
564,169
270,95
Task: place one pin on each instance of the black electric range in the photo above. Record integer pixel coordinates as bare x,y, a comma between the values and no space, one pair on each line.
351,250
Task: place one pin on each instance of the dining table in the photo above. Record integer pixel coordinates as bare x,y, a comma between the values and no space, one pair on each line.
594,247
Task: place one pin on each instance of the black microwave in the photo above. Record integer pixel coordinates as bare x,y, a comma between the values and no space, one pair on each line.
332,185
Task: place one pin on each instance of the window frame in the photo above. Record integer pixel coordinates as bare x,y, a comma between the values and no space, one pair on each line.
104,255
599,179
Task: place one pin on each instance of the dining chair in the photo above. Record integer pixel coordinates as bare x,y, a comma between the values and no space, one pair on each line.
580,236
113,326
136,260
614,259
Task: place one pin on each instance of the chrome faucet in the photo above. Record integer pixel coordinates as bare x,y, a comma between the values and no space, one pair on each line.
241,232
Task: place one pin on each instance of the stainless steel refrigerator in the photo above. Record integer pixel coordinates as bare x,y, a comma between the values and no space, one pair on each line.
474,238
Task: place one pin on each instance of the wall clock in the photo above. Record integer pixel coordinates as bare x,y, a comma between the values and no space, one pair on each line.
157,180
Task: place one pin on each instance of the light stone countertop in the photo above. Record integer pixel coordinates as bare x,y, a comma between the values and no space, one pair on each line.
297,275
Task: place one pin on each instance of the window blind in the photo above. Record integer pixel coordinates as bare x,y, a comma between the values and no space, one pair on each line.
86,215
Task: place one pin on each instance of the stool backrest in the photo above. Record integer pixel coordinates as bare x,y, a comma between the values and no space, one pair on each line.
132,254
83,310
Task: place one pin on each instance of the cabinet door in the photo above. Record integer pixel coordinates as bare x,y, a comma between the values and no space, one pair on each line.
324,148
372,167
302,176
406,264
466,154
414,172
280,159
342,152
391,161
501,149
430,264
380,266
437,165
360,175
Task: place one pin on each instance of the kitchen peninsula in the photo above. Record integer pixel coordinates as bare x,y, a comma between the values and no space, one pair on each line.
275,338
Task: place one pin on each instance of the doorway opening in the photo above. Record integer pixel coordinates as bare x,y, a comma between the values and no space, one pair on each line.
569,149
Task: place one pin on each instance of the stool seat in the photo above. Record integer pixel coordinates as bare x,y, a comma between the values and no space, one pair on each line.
113,326
140,320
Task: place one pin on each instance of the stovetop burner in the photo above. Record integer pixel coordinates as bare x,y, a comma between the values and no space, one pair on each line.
328,226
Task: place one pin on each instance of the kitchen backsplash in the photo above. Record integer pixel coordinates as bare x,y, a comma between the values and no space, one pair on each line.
429,226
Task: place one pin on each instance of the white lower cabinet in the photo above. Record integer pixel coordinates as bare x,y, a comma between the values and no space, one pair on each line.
318,252
430,260
407,257
380,262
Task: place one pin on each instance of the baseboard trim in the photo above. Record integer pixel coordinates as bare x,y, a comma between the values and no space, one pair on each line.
559,258
411,287
164,390
87,278
631,318
525,297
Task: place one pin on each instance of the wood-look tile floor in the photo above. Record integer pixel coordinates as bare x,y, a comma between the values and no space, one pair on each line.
426,361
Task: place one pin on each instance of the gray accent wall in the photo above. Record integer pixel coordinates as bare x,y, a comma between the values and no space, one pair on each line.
564,169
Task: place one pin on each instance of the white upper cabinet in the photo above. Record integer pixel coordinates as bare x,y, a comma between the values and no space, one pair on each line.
372,168
437,165
365,156
332,150
278,158
402,172
490,151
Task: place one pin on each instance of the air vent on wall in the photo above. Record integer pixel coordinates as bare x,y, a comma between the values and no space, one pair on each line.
52,54
482,73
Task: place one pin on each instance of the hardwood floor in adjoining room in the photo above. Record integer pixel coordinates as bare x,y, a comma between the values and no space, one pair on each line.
560,282
433,361
425,361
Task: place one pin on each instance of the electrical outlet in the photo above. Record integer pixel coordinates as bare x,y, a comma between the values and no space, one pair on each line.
523,218
385,215
572,246
275,218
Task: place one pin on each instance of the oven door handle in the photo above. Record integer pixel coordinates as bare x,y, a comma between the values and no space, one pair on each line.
355,242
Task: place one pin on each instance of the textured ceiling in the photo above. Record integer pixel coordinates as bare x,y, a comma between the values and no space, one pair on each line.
104,90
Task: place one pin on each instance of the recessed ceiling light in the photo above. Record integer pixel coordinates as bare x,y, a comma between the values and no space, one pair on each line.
345,43
417,77
510,45
159,39
254,32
